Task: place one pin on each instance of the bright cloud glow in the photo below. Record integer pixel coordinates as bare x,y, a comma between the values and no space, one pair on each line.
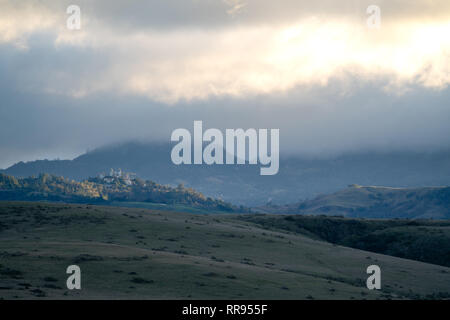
240,60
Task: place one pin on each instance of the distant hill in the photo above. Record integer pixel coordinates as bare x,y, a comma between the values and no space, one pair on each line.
299,178
374,202
104,191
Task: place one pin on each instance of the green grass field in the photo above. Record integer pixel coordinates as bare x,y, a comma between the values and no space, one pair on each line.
137,253
162,207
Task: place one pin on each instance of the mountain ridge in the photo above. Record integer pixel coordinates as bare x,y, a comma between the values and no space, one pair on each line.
299,177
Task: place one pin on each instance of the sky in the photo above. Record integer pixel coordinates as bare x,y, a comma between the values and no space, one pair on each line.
137,70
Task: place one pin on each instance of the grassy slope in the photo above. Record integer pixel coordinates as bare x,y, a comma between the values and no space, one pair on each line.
422,240
140,253
163,207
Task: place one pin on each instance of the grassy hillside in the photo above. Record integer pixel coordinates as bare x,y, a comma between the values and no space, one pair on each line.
101,191
140,253
375,202
423,240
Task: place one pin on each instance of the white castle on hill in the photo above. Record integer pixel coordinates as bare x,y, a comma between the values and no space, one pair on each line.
128,177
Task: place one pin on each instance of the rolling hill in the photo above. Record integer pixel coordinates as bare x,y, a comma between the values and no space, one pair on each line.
106,190
423,240
135,253
374,202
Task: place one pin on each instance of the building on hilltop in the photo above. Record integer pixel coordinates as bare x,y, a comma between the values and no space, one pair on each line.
127,177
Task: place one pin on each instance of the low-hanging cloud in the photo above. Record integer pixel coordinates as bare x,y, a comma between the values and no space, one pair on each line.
140,69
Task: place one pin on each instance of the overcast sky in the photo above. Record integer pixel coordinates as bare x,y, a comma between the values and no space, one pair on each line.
140,69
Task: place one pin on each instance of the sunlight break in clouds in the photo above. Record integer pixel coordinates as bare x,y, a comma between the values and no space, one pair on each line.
263,60
241,60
